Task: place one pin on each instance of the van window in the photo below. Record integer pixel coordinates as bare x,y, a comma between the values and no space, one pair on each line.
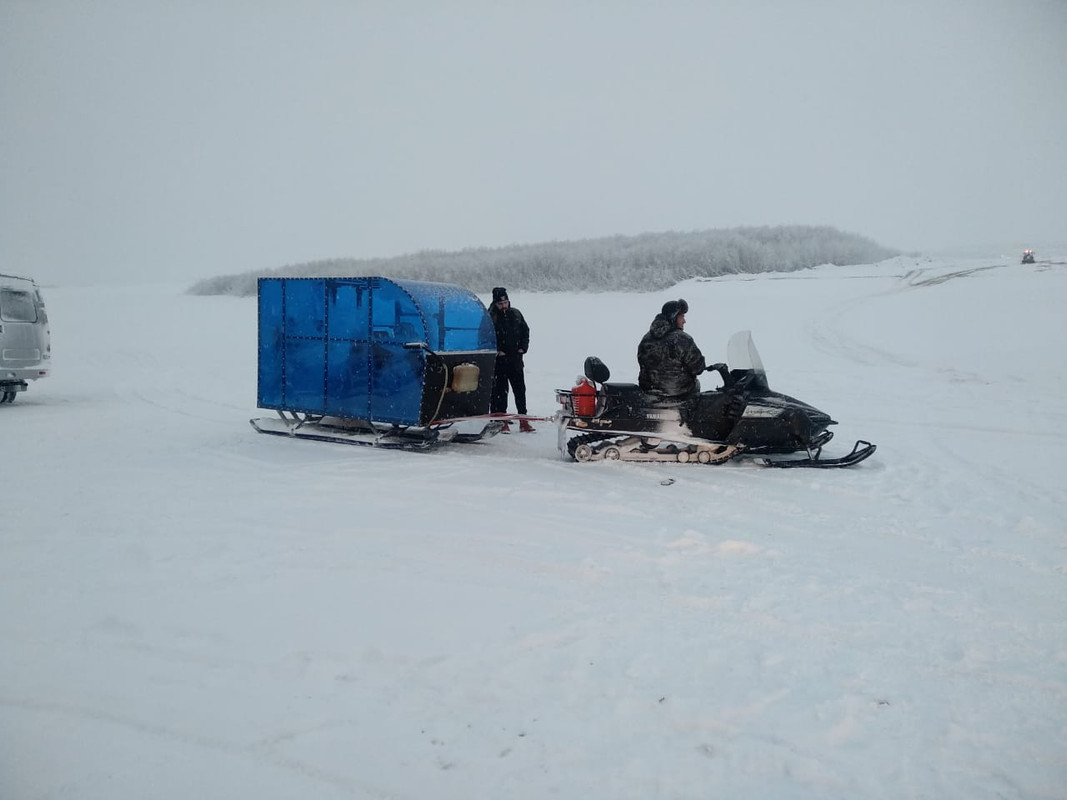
17,306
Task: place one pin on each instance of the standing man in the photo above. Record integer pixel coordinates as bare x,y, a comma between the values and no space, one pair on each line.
512,342
670,360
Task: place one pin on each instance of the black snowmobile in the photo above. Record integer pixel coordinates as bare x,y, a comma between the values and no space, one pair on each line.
743,418
1028,256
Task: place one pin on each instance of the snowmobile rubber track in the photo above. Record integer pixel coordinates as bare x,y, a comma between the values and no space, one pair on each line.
622,447
585,438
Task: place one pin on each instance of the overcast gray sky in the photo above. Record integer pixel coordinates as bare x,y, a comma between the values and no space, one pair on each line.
184,139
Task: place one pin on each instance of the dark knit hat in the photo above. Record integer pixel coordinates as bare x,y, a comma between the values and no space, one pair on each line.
672,308
500,293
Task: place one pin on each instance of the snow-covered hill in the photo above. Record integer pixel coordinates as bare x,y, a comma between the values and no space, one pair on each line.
188,609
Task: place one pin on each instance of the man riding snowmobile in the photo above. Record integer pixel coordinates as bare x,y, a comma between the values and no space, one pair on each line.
669,359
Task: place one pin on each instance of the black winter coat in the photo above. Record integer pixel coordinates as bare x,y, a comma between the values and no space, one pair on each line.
670,360
512,332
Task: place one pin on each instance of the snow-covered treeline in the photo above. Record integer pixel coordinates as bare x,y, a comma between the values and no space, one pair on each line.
647,262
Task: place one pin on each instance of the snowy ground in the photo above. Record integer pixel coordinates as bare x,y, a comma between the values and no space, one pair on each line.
189,609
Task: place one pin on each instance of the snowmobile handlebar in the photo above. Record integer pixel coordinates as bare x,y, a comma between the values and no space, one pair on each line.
723,370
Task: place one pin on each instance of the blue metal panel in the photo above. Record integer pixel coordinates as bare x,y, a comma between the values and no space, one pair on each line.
348,307
396,383
270,345
305,311
304,383
348,378
304,346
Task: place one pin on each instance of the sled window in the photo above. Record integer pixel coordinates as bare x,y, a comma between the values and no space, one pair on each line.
394,309
406,332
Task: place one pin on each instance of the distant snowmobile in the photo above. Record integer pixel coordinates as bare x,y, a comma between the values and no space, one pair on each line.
1028,256
744,418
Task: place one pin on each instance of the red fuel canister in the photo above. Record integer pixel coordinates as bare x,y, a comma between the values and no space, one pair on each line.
584,396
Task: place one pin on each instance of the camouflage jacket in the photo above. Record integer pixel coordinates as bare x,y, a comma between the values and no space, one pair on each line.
670,360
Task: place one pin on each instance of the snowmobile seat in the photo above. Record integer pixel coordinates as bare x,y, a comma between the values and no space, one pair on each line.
620,388
598,372
633,394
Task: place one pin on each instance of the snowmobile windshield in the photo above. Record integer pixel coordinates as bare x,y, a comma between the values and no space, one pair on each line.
741,353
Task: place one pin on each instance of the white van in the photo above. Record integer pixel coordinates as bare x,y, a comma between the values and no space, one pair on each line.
25,341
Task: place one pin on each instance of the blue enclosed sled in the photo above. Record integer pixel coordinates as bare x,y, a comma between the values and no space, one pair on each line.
373,360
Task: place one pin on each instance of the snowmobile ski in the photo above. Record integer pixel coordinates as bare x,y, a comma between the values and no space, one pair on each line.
860,451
